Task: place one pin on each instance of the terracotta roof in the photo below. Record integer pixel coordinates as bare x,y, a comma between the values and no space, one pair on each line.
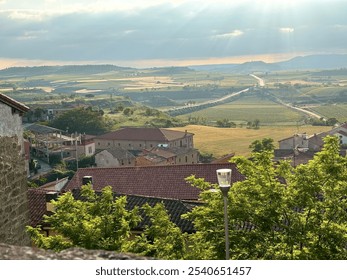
37,205
166,181
13,103
147,134
224,159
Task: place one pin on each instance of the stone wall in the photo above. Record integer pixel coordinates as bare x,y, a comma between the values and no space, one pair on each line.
8,252
14,212
10,124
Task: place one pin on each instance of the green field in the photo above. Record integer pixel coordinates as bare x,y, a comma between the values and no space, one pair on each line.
248,109
338,111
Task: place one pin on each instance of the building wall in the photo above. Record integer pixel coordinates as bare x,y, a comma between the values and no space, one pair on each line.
188,158
186,142
105,159
85,150
10,124
14,211
298,141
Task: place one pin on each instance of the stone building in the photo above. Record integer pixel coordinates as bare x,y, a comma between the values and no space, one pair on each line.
137,138
13,182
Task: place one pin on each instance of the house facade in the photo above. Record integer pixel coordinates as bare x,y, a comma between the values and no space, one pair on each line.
166,156
297,141
14,211
133,138
114,158
47,142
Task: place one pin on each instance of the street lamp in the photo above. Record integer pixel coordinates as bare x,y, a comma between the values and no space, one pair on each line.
224,182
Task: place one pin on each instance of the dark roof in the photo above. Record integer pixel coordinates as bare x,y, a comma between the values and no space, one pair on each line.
175,209
344,133
13,103
157,181
147,134
41,129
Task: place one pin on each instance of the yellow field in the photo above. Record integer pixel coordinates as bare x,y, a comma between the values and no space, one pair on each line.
222,141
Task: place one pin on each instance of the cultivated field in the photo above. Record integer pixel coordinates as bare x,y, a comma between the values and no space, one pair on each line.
222,141
248,109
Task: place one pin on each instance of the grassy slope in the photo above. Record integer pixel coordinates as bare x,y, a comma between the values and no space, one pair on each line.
221,141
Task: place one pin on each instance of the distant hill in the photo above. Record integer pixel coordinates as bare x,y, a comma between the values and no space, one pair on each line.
329,61
320,62
61,70
30,71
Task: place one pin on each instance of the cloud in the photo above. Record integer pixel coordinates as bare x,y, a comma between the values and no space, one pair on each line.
287,30
26,15
54,30
233,34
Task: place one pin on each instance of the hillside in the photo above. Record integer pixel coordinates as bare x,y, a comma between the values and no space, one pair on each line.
330,61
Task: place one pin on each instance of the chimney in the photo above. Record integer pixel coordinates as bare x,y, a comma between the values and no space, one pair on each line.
49,197
87,180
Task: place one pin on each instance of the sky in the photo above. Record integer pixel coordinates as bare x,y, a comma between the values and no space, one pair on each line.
147,33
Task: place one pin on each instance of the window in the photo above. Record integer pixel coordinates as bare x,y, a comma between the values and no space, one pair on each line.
90,150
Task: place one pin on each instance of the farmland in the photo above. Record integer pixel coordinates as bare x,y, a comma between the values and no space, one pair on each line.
248,109
222,141
108,88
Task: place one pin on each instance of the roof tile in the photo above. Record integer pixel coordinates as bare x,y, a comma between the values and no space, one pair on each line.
166,181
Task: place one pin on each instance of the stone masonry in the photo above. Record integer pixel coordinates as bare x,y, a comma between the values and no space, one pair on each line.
8,252
14,213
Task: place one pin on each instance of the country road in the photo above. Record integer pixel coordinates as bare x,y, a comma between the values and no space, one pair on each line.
196,107
261,83
181,110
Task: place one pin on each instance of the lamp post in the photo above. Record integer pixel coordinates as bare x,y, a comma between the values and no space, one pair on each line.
224,182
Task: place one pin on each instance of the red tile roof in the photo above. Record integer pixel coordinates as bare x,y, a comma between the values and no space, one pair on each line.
13,103
37,205
147,134
157,181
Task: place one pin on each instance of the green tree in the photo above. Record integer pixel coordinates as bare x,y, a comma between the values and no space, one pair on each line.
82,121
277,212
162,239
266,144
96,222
